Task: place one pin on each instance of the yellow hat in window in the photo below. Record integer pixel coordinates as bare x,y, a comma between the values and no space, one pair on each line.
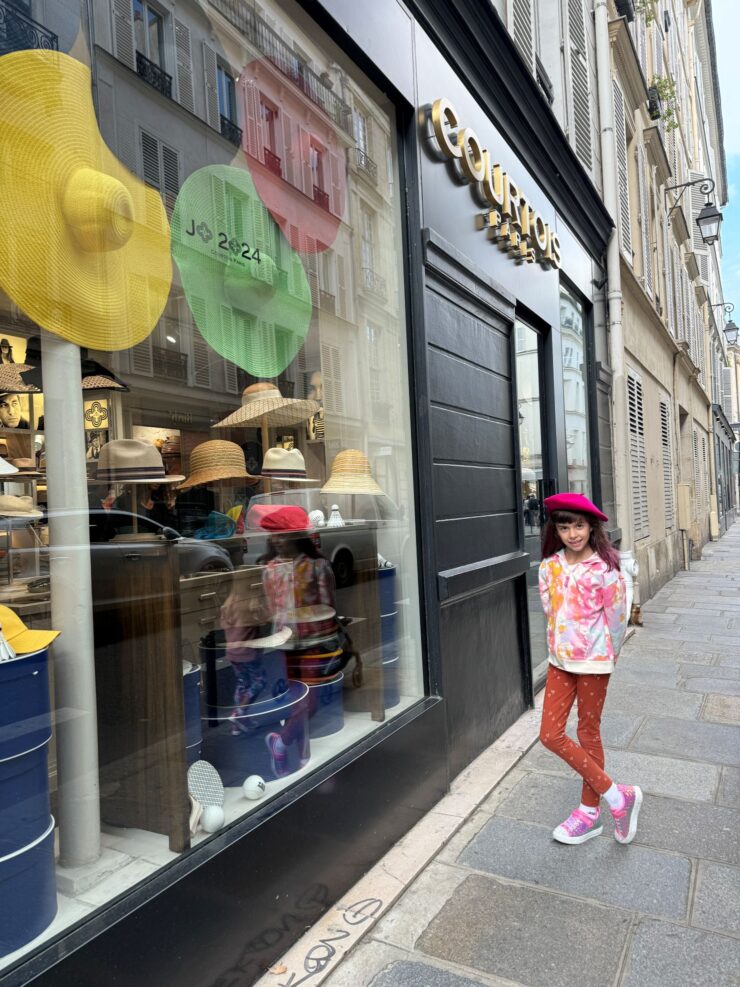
85,247
18,636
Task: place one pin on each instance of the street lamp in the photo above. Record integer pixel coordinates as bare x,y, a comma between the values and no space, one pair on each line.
710,217
730,329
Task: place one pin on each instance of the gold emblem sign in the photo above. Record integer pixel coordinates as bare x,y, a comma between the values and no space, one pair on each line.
509,219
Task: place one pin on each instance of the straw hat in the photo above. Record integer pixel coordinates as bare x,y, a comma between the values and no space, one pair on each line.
11,381
236,293
350,473
86,247
131,461
17,507
217,460
264,404
6,468
285,464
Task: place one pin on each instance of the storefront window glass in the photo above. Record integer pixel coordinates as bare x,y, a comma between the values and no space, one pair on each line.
575,391
206,467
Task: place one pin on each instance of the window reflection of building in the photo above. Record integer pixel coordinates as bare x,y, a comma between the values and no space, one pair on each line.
149,32
575,391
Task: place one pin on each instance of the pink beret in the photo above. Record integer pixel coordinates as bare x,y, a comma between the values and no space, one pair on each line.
574,502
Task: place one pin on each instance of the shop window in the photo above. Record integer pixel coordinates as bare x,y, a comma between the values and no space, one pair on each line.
233,511
575,390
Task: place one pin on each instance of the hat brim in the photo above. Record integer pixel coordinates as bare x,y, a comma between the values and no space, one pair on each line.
289,479
103,299
29,641
21,514
275,412
138,482
202,477
365,486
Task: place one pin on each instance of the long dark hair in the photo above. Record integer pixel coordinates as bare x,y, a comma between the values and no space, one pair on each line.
303,544
598,540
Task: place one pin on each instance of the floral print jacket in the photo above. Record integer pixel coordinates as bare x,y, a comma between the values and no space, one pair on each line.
585,605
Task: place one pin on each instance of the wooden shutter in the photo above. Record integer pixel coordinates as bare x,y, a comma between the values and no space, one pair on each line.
697,473
331,376
697,204
231,377
150,160
170,176
644,221
304,174
667,449
704,472
289,172
581,137
620,136
638,459
337,168
255,136
210,71
727,391
520,19
640,36
657,38
123,32
184,57
201,373
670,309
679,333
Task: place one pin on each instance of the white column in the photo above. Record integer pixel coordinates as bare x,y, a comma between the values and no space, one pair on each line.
71,604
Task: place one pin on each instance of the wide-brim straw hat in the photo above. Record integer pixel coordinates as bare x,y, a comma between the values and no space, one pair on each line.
350,473
264,404
250,312
217,461
85,250
287,465
11,381
131,461
17,507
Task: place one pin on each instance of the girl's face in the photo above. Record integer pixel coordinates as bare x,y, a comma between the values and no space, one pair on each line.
574,534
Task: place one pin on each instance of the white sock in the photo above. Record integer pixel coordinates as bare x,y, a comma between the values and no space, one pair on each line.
590,810
614,797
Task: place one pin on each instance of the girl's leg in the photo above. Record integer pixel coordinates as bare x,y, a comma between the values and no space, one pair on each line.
560,693
591,692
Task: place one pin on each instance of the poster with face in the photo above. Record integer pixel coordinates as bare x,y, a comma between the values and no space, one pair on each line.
14,411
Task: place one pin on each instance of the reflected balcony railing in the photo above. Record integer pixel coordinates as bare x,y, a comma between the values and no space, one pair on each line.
320,197
169,363
273,163
152,74
282,56
365,164
327,301
19,32
230,131
374,282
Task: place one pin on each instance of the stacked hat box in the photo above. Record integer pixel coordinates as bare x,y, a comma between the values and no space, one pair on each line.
28,901
237,746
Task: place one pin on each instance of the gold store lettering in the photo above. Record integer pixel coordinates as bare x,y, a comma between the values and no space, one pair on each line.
511,222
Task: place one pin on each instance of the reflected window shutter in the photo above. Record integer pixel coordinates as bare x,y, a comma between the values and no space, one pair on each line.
170,176
644,220
638,464
231,377
331,376
288,163
150,160
184,56
123,32
255,137
579,77
520,18
665,441
201,349
620,136
213,116
338,182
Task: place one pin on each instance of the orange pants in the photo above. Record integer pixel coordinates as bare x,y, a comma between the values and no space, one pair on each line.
561,691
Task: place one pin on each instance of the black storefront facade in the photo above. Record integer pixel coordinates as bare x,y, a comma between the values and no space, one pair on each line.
509,396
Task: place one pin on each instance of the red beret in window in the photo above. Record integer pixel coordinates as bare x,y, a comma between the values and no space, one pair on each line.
574,502
286,518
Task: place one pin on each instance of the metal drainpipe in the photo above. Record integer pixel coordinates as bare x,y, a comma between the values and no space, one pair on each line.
620,442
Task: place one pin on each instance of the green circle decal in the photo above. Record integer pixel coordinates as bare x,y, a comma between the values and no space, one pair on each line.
245,285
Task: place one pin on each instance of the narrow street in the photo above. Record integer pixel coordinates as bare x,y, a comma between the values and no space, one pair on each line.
503,903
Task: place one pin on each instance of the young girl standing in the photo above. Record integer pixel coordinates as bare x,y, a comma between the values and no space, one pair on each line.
583,593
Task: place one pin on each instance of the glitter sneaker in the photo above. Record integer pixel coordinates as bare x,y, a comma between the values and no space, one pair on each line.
278,755
625,819
578,828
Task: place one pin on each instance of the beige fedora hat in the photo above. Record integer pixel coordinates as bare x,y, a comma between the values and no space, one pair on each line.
217,461
285,464
264,404
17,507
132,461
350,473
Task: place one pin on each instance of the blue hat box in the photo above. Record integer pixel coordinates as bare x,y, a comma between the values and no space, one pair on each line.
191,698
25,719
24,799
326,706
235,756
220,681
28,898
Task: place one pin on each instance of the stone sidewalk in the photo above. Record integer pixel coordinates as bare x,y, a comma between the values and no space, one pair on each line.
502,903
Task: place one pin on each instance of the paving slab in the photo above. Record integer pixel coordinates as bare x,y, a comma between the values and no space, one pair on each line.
641,701
411,974
409,917
717,899
646,671
697,829
729,787
696,670
654,774
628,877
721,709
723,687
663,954
715,743
730,658
526,935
